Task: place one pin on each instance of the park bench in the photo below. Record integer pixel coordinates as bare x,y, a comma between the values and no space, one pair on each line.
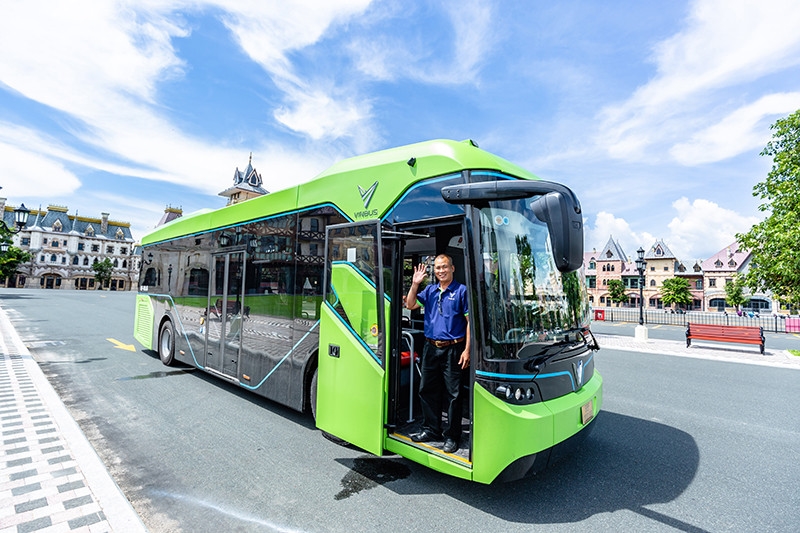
736,334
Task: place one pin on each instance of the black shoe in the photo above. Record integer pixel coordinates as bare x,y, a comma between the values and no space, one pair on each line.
425,436
450,446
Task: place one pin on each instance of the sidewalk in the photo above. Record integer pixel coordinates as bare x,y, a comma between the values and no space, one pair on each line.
51,479
734,353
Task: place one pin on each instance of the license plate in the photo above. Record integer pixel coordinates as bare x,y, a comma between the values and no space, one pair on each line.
587,412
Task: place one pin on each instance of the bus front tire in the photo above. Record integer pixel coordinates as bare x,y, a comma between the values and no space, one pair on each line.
166,343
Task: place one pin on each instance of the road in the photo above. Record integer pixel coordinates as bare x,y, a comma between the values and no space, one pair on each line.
682,445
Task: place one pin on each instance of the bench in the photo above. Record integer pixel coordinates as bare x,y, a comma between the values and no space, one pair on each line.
736,334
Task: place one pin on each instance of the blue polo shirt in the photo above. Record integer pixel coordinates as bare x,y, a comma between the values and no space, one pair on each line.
448,321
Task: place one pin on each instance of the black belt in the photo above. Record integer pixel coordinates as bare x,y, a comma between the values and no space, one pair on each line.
443,344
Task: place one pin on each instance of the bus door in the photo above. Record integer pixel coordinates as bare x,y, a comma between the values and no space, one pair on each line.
351,386
226,314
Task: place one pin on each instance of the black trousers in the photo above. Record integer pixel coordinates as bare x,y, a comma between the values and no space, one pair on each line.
440,387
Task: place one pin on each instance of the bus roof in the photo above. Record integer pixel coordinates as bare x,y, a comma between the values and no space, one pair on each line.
362,187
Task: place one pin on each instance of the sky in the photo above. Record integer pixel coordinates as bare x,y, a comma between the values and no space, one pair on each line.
654,113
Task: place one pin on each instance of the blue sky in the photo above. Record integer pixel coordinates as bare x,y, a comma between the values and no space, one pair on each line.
653,112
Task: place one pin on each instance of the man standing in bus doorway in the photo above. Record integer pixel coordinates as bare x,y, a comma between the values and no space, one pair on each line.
446,351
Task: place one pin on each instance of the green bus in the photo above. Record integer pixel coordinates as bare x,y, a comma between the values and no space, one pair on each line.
298,295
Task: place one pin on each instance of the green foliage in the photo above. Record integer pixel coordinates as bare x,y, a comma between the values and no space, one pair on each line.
676,291
734,292
616,291
10,260
773,242
102,271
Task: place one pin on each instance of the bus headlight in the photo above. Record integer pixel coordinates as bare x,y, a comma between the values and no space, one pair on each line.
529,394
518,394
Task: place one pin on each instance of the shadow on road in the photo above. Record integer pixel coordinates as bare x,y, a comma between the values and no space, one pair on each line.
626,463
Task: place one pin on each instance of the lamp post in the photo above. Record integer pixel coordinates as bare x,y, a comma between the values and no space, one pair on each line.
20,219
641,329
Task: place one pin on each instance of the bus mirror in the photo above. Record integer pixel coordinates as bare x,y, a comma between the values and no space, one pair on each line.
565,228
557,206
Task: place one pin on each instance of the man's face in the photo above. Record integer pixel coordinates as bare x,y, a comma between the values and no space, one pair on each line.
443,270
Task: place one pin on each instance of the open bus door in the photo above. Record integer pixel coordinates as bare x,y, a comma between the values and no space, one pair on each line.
351,383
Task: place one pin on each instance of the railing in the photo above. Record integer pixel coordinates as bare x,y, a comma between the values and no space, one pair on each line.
774,323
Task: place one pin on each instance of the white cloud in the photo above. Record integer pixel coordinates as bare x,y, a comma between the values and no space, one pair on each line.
701,228
698,230
740,131
102,69
25,172
724,45
407,55
606,226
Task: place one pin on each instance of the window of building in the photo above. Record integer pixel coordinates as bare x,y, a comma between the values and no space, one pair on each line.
728,280
718,263
116,263
44,241
652,269
731,263
698,284
89,231
63,260
652,283
95,261
666,269
95,247
54,243
109,249
41,259
125,263
314,224
26,241
57,226
75,260
52,258
85,261
712,282
123,250
80,246
592,265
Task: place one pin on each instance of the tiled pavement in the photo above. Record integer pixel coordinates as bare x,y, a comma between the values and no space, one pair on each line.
51,479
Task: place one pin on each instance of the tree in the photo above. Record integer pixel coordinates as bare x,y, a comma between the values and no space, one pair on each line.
11,259
616,291
102,272
773,242
676,291
734,292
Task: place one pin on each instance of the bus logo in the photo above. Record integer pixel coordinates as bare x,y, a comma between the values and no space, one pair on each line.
366,195
578,373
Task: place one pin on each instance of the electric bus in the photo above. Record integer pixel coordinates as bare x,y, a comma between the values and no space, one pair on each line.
298,296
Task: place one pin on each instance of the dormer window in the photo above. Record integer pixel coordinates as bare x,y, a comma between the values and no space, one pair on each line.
718,263
120,235
89,231
57,227
659,251
609,254
731,263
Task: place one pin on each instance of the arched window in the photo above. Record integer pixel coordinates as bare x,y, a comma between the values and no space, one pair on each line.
116,263
124,263
75,260
652,283
53,258
85,261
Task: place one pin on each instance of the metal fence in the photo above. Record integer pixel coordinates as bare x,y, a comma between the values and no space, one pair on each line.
775,323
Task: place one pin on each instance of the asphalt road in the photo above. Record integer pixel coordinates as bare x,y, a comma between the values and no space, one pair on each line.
683,444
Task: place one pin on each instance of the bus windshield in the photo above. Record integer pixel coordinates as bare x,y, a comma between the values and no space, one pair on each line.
527,300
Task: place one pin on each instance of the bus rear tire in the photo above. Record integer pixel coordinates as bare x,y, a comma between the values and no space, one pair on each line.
166,343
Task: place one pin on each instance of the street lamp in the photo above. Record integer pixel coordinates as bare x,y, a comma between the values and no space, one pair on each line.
641,329
20,219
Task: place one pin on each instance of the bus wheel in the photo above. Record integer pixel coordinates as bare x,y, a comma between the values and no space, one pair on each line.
312,397
166,343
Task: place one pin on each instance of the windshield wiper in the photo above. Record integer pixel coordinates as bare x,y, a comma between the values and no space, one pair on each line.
533,361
